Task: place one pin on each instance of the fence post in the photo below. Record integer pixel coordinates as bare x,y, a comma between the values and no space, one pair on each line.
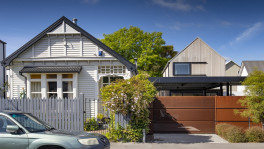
82,106
248,122
144,136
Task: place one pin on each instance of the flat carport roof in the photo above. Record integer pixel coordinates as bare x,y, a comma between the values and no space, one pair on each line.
194,82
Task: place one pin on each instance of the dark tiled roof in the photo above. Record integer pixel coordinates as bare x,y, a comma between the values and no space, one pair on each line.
253,65
56,69
9,59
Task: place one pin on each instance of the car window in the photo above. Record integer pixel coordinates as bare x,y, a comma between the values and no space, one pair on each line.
4,121
29,122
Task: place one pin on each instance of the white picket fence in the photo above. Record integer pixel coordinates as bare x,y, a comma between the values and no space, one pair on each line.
66,114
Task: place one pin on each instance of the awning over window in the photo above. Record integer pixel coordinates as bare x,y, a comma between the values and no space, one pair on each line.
51,69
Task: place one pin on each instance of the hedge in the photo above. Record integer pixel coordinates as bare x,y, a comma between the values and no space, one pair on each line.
235,134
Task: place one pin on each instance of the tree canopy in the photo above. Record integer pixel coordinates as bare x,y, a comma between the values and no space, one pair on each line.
147,47
254,100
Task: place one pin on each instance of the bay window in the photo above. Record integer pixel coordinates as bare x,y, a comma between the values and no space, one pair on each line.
52,85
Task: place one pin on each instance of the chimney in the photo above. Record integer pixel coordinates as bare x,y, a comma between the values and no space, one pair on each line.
74,20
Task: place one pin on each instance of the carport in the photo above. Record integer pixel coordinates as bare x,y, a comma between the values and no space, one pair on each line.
195,84
196,113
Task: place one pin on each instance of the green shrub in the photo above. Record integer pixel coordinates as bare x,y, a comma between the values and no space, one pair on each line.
100,117
220,128
231,133
255,134
116,134
235,134
91,125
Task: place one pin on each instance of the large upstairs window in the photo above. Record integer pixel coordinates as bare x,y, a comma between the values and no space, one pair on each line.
181,69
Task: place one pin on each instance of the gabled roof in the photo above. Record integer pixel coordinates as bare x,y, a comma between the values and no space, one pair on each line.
10,58
230,64
2,42
198,38
252,65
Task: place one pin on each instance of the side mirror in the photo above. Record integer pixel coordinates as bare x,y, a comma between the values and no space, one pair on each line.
12,128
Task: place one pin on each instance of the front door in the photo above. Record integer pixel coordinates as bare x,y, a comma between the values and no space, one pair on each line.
11,141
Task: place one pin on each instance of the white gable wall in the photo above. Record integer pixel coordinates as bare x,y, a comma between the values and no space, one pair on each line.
241,88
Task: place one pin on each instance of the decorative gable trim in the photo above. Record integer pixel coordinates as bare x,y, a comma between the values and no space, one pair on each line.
131,67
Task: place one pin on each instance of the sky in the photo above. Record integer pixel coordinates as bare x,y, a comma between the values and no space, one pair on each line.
233,28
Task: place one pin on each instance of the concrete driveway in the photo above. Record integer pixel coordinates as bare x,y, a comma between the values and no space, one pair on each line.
188,138
187,146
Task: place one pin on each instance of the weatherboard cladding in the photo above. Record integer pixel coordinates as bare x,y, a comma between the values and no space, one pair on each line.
199,51
51,69
40,36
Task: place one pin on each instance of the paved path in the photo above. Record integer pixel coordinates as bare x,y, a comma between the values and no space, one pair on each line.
188,138
187,146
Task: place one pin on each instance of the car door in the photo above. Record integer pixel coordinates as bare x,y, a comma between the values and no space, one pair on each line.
11,141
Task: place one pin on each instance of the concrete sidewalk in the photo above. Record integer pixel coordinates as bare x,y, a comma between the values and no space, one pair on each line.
187,146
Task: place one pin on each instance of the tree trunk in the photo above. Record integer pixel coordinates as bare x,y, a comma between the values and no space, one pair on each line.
262,123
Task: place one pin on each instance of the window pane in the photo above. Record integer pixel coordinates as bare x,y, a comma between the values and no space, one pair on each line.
181,69
67,86
52,95
36,95
52,87
68,95
35,87
51,76
67,76
3,123
105,80
35,76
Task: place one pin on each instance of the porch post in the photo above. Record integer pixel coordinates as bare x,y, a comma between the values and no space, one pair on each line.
204,92
227,89
43,86
230,90
221,89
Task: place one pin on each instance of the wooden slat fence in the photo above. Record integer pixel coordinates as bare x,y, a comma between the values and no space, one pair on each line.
66,114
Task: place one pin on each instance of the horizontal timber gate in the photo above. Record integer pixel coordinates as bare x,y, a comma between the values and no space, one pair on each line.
183,114
195,114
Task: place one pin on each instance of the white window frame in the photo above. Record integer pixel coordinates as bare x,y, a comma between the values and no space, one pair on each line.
35,80
44,84
66,80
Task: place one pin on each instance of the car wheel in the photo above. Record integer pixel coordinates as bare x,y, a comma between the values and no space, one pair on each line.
51,147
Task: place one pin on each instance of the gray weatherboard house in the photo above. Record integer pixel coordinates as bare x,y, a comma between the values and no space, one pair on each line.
198,70
63,61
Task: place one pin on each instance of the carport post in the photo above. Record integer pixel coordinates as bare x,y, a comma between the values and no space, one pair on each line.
230,90
227,89
221,89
